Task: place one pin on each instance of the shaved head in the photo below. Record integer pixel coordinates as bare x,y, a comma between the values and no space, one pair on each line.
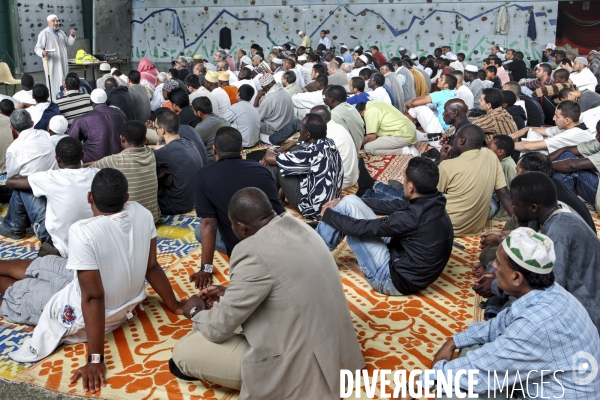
323,111
513,87
250,206
474,136
457,105
111,83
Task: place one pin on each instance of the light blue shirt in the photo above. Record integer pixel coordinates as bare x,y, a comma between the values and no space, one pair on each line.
542,330
439,99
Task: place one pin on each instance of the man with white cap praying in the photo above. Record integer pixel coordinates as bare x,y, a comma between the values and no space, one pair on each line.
274,106
306,41
52,43
473,83
99,128
582,76
545,331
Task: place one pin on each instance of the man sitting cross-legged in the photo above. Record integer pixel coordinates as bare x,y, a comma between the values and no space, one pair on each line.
112,254
138,164
566,132
408,249
468,181
215,233
31,152
577,247
63,207
545,332
577,168
310,172
286,296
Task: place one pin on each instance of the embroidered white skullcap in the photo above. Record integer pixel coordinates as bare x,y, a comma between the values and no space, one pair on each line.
530,250
471,68
302,58
551,46
364,59
402,48
51,17
246,60
98,96
58,124
277,61
265,80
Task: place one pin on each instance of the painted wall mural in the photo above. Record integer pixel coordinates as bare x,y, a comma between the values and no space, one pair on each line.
469,26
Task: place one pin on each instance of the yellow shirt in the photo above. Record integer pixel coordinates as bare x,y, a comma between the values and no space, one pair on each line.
306,42
385,120
468,182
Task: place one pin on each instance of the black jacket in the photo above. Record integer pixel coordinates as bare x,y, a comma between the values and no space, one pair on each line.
120,97
421,237
518,115
535,113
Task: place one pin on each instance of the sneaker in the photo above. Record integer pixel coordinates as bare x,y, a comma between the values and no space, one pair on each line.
9,234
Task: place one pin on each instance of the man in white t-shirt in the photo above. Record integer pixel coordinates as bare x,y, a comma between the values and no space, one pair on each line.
565,133
462,91
31,152
111,255
65,190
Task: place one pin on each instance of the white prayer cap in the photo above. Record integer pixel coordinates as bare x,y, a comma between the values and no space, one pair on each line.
551,46
357,48
302,58
105,67
246,60
277,61
402,48
98,96
501,49
51,17
413,56
112,70
530,250
58,124
451,57
300,32
343,46
471,68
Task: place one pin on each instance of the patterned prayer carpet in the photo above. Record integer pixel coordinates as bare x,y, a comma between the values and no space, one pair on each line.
394,332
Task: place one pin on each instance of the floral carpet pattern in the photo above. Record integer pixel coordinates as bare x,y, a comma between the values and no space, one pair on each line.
393,332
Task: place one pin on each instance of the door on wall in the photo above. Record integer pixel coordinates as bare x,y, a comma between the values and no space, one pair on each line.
87,8
6,39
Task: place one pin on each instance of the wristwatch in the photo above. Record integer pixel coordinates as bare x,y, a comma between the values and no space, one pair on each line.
195,311
96,358
207,268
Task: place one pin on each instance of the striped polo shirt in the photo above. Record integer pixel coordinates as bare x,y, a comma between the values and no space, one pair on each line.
74,104
139,167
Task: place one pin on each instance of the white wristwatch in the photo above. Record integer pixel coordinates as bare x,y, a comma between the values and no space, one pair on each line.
207,268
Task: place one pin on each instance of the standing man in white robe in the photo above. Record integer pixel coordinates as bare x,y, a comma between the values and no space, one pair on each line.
52,43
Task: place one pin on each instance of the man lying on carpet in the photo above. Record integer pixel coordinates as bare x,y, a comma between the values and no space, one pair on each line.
407,250
468,181
544,331
577,247
297,332
309,172
111,255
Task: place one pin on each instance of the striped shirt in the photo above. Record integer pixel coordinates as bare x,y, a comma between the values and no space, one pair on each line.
139,167
496,122
74,104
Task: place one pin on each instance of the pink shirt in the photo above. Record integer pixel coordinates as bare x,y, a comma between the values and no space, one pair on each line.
503,75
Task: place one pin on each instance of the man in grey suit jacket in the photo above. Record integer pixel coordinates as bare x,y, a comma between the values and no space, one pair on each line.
296,333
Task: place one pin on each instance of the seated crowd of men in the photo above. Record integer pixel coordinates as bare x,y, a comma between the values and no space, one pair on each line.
152,143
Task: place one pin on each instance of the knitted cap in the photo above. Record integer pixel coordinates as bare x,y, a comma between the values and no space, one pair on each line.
582,60
170,84
211,76
265,80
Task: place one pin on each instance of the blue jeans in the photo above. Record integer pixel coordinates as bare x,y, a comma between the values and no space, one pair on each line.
286,131
25,209
583,182
219,243
371,253
383,191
